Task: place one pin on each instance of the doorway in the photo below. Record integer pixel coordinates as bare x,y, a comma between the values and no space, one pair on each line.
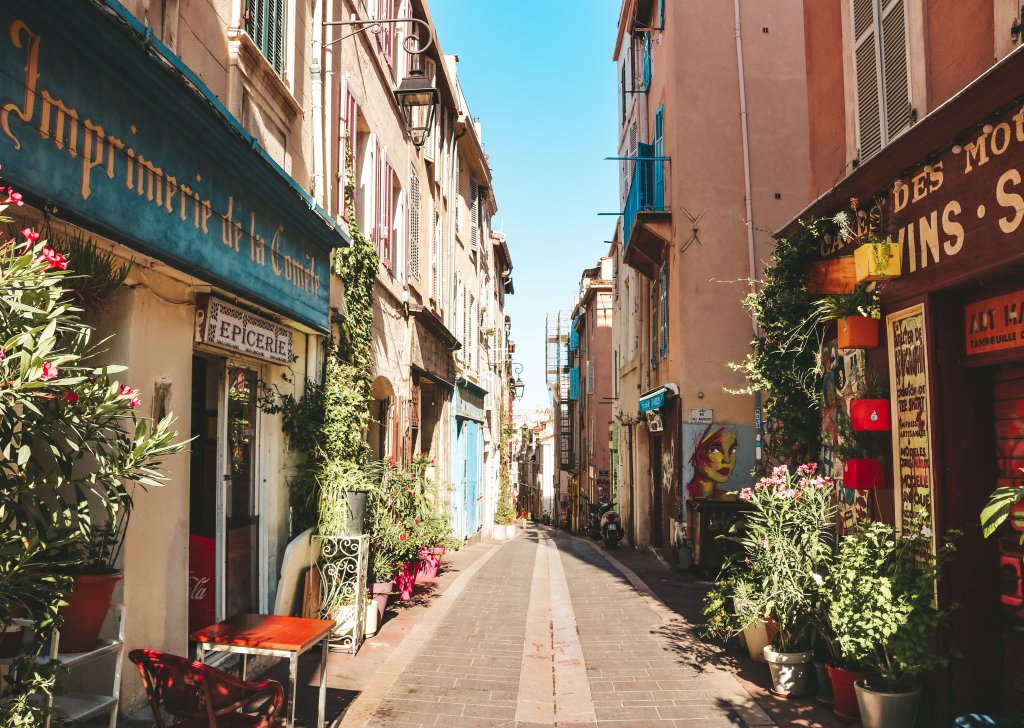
656,476
224,495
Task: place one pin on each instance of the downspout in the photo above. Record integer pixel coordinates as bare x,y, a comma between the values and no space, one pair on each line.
747,193
316,91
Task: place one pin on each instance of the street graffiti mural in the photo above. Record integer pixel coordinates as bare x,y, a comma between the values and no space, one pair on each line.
718,460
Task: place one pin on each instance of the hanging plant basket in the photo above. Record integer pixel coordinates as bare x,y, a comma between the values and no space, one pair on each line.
870,415
858,332
878,261
832,276
863,474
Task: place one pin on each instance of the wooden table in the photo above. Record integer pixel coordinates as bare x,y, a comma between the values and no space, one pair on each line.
268,634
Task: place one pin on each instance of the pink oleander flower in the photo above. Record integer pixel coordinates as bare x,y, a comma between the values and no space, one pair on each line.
3,353
49,372
764,543
55,259
71,397
807,469
746,494
30,235
14,198
125,390
135,401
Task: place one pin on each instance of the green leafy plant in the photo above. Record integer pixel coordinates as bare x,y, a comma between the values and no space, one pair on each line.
1000,502
787,540
504,511
862,301
882,587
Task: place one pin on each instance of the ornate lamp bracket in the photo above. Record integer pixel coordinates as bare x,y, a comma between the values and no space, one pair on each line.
411,42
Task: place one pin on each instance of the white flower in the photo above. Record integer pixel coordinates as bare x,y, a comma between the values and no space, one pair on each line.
926,532
817,579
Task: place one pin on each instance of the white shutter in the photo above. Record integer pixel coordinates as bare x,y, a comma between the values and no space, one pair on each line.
630,163
869,97
895,70
414,223
430,146
474,213
434,255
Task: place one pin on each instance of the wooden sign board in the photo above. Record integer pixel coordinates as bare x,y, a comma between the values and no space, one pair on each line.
995,323
911,418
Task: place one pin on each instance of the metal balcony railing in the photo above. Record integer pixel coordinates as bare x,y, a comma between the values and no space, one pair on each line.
646,191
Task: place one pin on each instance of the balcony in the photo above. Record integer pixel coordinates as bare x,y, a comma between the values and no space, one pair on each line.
647,220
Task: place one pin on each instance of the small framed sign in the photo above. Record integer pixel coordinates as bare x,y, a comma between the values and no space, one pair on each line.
702,416
228,327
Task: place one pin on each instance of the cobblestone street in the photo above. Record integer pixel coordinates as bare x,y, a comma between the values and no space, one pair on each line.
546,630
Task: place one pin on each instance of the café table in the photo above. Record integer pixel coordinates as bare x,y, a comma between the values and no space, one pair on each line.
273,635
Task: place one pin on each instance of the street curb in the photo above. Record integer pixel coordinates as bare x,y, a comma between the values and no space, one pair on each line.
362,708
742,700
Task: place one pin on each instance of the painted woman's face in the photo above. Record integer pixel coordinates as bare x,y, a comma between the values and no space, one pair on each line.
721,457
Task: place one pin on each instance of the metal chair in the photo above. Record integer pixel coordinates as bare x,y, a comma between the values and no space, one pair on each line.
200,696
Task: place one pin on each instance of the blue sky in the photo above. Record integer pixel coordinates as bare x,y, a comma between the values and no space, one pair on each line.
539,76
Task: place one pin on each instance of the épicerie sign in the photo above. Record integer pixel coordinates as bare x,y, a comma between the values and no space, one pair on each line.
228,327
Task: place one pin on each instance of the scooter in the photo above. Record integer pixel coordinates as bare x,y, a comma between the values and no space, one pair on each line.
594,520
611,528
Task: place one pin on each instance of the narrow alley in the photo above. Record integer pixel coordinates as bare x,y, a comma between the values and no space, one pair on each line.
548,630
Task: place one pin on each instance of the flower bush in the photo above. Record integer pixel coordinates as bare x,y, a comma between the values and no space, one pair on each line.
882,591
787,541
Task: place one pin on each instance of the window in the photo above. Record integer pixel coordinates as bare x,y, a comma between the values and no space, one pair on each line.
384,211
347,147
414,223
655,309
474,213
881,65
386,36
264,23
622,89
590,376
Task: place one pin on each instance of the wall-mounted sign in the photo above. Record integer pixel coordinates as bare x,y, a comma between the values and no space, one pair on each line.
116,140
229,327
911,442
995,323
702,416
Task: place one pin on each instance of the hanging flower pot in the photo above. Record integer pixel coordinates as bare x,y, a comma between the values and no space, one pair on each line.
858,332
870,415
832,276
863,474
878,261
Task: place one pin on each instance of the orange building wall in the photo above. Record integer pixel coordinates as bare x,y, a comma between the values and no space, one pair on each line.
960,37
823,25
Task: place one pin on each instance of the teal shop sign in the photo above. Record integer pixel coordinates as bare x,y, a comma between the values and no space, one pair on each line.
107,125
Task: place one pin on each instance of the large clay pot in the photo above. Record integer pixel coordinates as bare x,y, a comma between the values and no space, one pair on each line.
842,688
380,592
879,709
86,609
792,672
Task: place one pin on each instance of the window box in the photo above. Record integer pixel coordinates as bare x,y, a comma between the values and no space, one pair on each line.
858,332
878,261
838,276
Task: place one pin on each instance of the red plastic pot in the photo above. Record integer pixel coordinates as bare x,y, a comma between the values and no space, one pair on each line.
405,579
845,695
863,474
86,609
380,592
870,415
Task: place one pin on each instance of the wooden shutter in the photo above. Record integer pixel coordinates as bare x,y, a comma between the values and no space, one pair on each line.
386,37
388,223
655,308
374,221
414,223
346,147
663,295
590,376
869,81
474,213
895,70
458,194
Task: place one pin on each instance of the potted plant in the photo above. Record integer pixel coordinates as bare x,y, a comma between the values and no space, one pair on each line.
856,315
787,540
878,260
883,587
863,454
870,410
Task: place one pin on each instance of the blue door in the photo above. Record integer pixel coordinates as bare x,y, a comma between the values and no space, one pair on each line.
459,478
474,444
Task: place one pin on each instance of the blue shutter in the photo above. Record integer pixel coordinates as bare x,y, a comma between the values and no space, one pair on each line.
661,14
663,294
647,61
658,167
574,383
655,307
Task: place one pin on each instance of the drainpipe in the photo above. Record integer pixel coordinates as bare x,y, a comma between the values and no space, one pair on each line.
747,193
316,91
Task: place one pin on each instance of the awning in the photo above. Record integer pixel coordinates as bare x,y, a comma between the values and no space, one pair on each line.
655,399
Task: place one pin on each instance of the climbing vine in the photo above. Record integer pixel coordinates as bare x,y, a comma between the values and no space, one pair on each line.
505,512
785,359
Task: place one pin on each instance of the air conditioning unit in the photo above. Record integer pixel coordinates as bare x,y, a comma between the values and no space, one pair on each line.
654,422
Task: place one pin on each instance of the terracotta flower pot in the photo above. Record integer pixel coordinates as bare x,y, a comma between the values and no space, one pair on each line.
858,332
870,415
863,474
86,609
380,593
845,695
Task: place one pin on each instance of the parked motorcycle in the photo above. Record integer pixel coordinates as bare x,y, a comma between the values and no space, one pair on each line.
611,527
594,520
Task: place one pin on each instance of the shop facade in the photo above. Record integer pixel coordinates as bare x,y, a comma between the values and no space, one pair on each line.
950,192
112,139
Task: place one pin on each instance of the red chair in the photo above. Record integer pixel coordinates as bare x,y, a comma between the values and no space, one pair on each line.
200,696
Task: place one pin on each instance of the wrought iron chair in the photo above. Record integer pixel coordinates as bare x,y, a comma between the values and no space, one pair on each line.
200,696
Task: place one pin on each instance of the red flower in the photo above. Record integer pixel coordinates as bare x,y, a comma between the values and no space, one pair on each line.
30,235
417,520
135,401
71,397
55,259
3,353
125,390
49,372
403,537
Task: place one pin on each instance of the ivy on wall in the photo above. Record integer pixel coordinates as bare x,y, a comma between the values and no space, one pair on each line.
504,512
785,360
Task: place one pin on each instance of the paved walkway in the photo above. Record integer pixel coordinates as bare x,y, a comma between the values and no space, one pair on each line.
547,631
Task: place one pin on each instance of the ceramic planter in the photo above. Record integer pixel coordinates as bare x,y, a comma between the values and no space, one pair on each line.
371,620
863,474
880,709
857,332
380,592
878,261
355,505
824,696
870,415
85,611
405,579
842,681
792,672
429,564
832,277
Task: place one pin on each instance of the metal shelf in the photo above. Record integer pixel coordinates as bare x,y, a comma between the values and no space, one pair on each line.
80,706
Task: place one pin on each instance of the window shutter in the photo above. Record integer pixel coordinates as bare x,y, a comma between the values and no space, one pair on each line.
590,376
663,293
387,233
474,212
374,222
386,37
458,195
869,112
347,145
265,24
895,73
414,223
655,307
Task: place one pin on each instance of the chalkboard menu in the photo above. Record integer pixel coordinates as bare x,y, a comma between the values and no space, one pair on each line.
911,441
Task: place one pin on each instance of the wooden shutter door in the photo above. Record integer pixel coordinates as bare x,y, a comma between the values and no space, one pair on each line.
414,224
474,212
895,69
866,66
388,222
